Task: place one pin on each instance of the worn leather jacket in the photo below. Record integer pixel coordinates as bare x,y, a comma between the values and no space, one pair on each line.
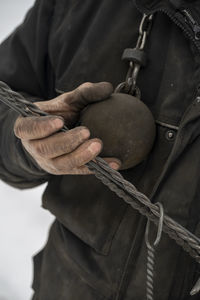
96,248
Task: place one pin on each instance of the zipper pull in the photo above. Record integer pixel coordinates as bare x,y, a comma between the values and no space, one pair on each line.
192,22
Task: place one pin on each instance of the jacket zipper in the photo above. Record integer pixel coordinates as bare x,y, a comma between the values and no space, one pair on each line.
176,144
191,28
186,15
191,21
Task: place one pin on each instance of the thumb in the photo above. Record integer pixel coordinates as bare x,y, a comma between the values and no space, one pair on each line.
53,106
77,99
88,93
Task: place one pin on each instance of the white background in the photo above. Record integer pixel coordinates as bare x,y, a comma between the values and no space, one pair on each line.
23,223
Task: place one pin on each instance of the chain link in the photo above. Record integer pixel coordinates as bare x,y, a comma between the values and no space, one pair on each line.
129,86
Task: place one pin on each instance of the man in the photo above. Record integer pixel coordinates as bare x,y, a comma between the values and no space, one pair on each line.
96,247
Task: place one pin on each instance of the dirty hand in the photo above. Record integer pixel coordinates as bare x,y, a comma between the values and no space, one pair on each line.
62,153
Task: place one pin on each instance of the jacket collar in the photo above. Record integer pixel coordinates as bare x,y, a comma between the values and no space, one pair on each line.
185,13
153,5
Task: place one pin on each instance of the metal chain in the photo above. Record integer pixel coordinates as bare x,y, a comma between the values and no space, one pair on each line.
115,182
129,86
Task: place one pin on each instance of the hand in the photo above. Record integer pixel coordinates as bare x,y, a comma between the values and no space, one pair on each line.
62,153
69,105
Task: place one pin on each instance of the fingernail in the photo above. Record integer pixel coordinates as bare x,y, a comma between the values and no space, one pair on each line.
114,165
85,133
94,147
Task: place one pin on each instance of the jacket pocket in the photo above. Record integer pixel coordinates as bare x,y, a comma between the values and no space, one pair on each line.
85,207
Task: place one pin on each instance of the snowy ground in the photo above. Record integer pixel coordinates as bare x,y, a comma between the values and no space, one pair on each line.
23,224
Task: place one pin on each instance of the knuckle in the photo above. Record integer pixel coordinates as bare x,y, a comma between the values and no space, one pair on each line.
34,128
71,136
41,149
62,149
43,126
79,134
48,124
29,127
74,138
84,88
70,163
87,85
84,133
40,126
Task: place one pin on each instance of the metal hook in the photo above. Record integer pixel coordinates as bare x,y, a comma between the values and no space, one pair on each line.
160,228
151,254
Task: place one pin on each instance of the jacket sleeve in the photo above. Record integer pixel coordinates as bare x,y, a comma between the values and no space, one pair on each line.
24,66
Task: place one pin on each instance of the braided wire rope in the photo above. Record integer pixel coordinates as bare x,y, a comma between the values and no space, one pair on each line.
114,181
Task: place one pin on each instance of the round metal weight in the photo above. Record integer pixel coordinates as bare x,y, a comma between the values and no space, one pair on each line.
124,124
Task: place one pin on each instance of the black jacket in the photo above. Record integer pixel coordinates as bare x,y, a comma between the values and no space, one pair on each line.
96,246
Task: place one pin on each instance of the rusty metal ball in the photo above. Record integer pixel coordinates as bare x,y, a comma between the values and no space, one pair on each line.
125,125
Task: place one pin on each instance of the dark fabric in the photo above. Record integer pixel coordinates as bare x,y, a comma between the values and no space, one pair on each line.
24,66
17,168
96,246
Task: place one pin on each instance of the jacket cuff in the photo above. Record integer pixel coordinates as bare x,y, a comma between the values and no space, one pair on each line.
17,167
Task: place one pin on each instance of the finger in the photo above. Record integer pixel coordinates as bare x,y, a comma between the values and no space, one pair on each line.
92,92
59,107
60,143
81,156
69,104
54,106
83,170
37,127
113,162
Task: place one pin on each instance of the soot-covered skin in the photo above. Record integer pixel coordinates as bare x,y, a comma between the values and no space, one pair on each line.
125,125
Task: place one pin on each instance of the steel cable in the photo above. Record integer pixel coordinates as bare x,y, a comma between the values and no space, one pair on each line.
114,181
